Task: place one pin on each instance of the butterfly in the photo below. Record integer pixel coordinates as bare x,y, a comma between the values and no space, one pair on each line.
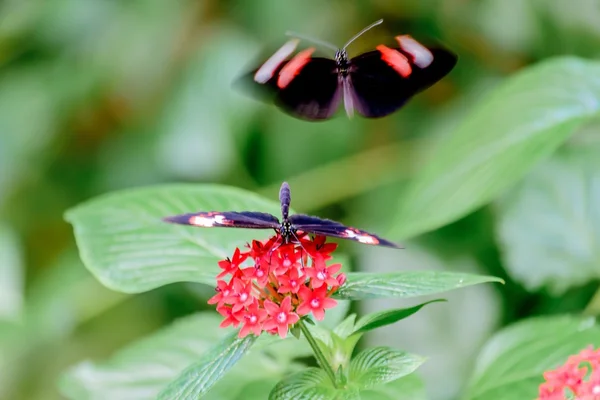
287,228
375,83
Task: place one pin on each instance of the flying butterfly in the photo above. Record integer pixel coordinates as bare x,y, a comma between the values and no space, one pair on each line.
287,228
375,83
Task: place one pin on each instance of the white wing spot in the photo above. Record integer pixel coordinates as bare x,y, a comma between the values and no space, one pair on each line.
422,57
367,239
267,70
207,222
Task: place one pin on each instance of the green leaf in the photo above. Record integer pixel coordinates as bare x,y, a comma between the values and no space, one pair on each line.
410,387
378,365
11,275
405,284
382,318
199,378
144,368
520,123
124,243
549,225
511,364
310,384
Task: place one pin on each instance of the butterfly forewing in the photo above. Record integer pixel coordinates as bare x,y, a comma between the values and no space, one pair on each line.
318,226
313,93
379,89
231,219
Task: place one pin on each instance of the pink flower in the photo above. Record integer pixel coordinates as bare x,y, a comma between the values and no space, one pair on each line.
292,282
269,296
315,301
223,290
282,316
252,318
321,274
571,378
230,318
241,296
231,266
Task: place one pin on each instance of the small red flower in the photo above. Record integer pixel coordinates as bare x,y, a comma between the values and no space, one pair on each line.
319,247
292,282
260,272
241,296
269,296
315,301
282,316
252,318
321,274
230,318
224,290
231,266
579,376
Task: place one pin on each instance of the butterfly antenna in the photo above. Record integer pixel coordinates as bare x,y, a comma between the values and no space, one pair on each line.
312,39
359,34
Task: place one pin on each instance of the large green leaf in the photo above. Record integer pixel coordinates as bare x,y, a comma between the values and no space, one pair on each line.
387,317
406,284
410,387
124,243
196,380
549,225
512,363
310,384
144,368
520,123
379,365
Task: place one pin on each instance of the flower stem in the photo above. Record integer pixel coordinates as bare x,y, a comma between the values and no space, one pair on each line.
322,360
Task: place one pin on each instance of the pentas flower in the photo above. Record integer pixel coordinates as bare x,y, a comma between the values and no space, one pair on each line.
578,378
287,280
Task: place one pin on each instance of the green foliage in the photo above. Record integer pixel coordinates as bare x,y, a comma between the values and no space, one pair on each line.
378,319
561,239
126,245
406,284
520,123
511,364
101,96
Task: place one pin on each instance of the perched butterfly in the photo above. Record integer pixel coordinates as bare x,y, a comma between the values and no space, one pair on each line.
288,228
375,83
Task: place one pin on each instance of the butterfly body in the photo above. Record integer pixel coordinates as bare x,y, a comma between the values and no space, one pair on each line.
288,228
375,84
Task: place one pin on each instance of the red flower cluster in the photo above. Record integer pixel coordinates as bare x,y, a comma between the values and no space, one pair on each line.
279,287
578,378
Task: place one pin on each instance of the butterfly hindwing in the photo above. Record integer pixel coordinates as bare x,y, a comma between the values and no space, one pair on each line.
326,227
230,219
379,89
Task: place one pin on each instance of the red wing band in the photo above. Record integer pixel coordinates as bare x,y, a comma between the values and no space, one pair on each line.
291,69
396,60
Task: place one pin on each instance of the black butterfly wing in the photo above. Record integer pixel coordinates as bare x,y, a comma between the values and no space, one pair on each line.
378,89
312,94
326,227
229,219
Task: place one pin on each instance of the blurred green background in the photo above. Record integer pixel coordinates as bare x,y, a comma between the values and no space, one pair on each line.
99,95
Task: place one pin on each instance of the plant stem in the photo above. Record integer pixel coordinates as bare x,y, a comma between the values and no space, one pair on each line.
593,307
318,353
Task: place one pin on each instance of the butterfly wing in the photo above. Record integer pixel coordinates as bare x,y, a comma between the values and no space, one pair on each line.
229,219
326,227
308,91
379,89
